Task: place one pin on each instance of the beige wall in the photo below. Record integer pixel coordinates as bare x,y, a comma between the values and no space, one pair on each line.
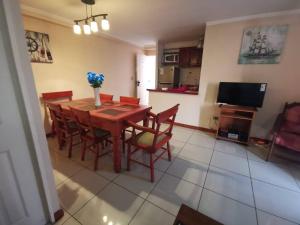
75,55
221,51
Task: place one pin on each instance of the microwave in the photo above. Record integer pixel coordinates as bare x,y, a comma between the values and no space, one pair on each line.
170,58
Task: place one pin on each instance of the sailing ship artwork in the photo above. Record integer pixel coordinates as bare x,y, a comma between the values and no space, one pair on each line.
262,45
38,47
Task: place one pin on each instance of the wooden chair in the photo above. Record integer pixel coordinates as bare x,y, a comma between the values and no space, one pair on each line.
129,100
151,139
65,127
106,97
90,133
54,96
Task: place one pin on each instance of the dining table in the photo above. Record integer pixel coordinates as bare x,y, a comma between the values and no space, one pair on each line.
110,116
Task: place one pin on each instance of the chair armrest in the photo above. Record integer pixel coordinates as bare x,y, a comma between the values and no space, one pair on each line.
141,128
151,114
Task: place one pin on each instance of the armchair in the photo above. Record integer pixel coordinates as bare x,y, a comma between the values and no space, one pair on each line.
286,130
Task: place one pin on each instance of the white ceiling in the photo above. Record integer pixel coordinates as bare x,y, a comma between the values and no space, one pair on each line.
143,22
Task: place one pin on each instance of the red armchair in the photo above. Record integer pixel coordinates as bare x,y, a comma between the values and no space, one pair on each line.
286,130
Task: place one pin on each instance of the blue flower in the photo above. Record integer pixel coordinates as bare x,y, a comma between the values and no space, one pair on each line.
94,79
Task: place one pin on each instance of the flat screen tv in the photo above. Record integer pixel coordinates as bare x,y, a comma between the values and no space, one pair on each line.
242,94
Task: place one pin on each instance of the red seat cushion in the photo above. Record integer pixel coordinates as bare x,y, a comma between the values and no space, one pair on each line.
291,127
288,140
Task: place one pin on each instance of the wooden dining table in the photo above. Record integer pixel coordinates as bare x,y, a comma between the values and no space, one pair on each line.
110,116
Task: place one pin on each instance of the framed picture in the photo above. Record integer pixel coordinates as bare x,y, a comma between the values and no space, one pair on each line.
38,47
262,45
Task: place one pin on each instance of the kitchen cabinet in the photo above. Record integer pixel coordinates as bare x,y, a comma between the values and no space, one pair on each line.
190,57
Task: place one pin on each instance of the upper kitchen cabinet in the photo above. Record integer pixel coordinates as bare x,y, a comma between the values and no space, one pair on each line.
190,57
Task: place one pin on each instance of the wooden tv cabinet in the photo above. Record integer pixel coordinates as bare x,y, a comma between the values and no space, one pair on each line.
235,123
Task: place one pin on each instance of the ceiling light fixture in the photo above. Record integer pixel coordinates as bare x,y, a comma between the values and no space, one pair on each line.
90,24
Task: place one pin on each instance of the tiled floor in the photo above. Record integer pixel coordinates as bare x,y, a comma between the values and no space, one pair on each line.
228,182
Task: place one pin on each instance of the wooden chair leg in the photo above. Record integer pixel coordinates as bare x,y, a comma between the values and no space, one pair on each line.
123,141
151,167
128,156
70,146
169,151
96,157
83,150
270,150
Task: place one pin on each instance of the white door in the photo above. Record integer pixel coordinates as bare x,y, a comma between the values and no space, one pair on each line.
20,197
145,76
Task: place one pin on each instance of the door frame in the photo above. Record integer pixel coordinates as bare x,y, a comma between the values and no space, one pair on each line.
28,99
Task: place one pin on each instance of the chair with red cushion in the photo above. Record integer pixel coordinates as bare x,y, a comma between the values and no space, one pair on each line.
106,97
286,130
129,100
65,127
54,96
90,133
151,139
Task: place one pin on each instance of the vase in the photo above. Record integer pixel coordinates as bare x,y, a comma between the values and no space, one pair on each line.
97,97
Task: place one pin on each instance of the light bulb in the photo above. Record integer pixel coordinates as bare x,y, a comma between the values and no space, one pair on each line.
94,26
86,29
104,24
76,29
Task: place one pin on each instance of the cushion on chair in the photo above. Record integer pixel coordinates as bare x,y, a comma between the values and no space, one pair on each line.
293,114
72,125
291,127
146,139
288,140
100,133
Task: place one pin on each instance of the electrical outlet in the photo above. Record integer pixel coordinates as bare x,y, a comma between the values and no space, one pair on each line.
215,117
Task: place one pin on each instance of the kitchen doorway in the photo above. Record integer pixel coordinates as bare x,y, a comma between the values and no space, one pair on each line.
146,76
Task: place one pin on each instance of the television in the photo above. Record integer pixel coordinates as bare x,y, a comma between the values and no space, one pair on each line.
242,94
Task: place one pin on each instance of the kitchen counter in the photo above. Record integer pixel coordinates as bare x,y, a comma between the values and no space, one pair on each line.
188,92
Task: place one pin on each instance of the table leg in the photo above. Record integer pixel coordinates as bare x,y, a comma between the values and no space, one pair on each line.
116,153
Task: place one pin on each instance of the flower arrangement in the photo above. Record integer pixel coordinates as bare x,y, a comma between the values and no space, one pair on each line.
95,80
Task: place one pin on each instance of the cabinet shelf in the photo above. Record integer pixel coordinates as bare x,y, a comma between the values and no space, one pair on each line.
235,116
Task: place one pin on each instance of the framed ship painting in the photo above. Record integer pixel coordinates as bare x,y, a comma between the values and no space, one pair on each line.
263,45
38,47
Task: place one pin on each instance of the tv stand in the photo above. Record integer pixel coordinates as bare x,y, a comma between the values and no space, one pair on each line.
235,123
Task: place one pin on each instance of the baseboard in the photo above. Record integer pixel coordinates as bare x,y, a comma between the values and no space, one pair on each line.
204,129
58,214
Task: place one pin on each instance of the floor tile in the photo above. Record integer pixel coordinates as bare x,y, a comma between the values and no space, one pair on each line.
277,201
258,154
72,221
268,219
65,167
225,210
106,167
202,139
232,185
59,177
75,192
137,180
114,204
273,173
171,192
191,171
149,214
180,135
295,170
195,152
230,162
231,148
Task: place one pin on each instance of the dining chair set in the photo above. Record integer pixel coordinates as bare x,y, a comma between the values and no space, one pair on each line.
151,137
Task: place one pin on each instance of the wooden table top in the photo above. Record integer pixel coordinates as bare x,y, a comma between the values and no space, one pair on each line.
113,111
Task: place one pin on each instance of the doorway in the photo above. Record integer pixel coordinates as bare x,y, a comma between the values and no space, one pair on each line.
146,76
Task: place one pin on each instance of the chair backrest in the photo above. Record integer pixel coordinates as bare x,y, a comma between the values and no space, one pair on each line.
167,116
292,112
129,100
48,96
83,118
106,97
56,114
